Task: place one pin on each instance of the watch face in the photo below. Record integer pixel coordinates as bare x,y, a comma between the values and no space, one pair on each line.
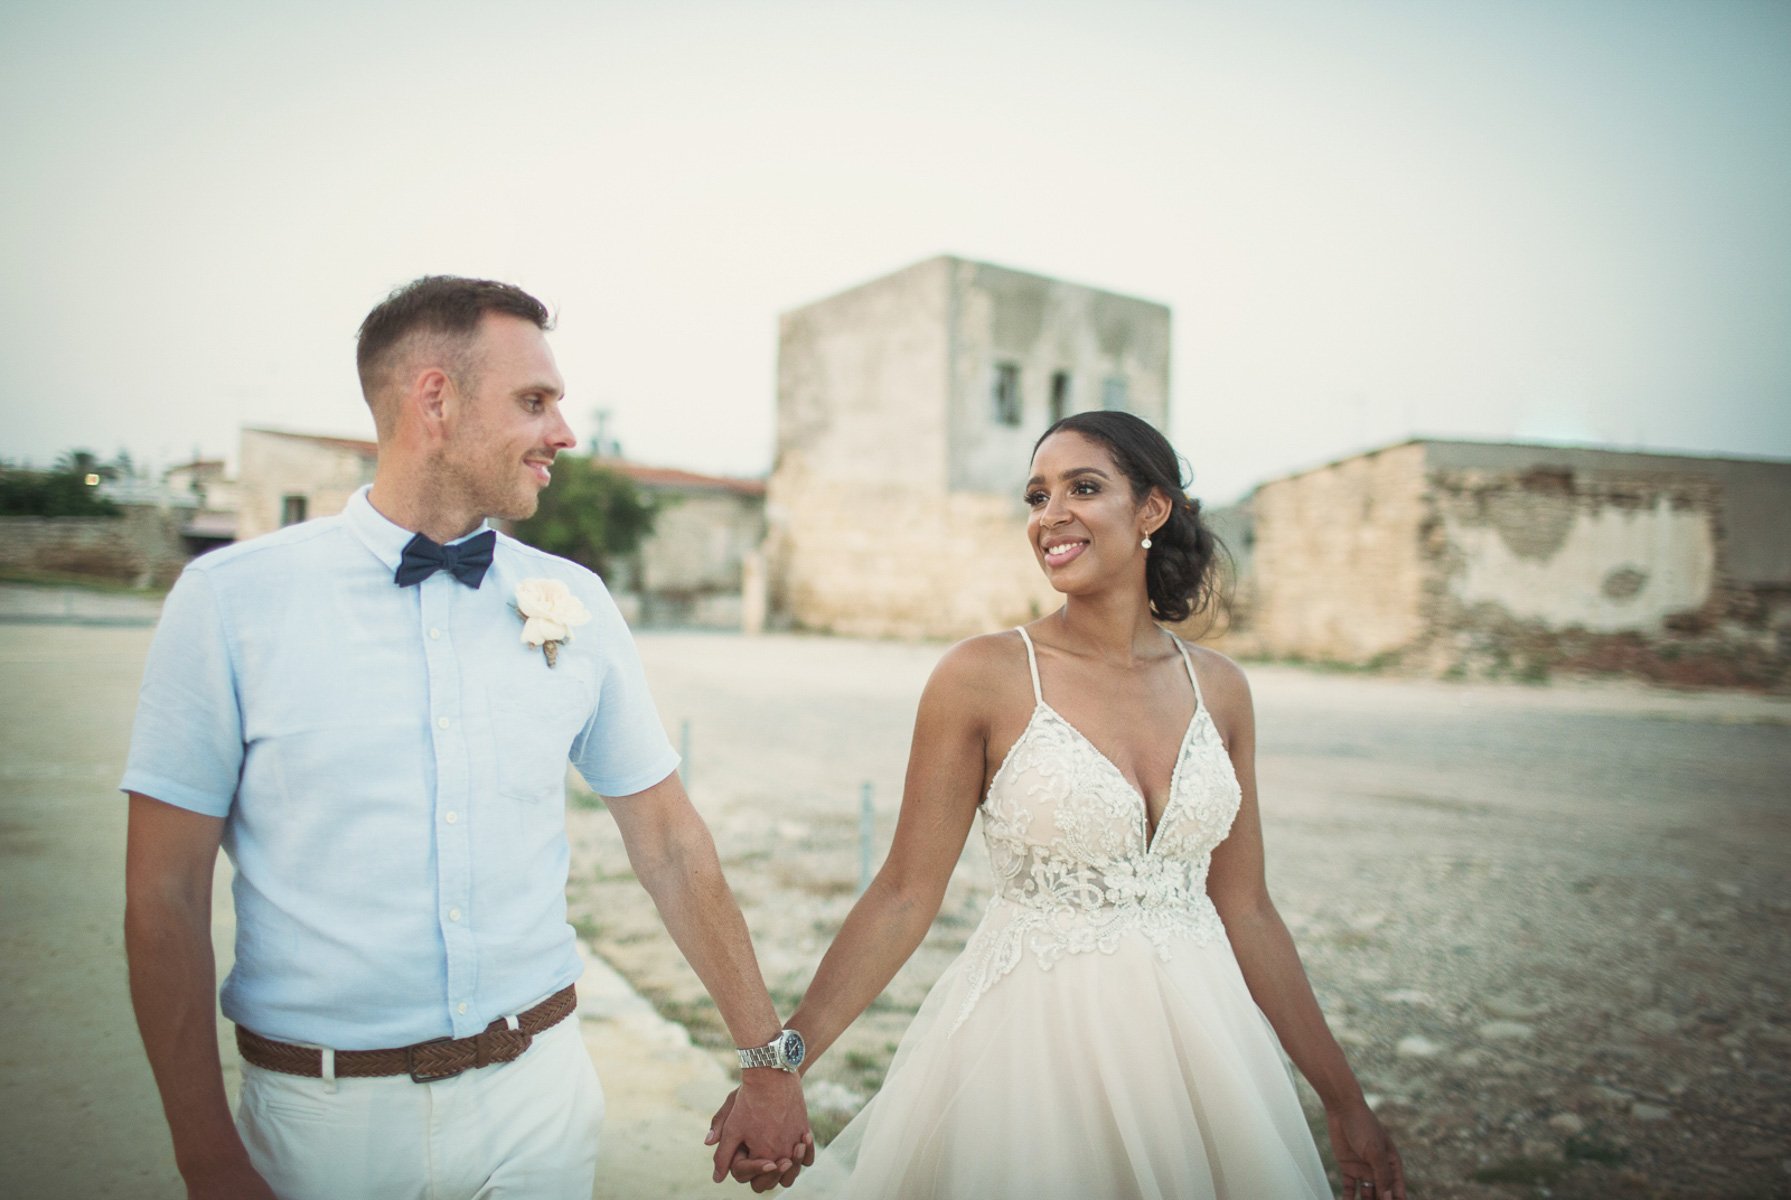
793,1048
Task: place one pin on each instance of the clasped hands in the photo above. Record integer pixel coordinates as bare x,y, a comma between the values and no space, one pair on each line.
761,1133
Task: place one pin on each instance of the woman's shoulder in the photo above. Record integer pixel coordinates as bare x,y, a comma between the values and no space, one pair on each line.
1222,681
980,670
978,659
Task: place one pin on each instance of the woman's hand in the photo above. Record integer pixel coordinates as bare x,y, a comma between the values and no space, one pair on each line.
763,1176
1366,1158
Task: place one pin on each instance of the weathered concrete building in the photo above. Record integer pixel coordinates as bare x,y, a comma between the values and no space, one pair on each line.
284,478
906,412
693,569
1464,557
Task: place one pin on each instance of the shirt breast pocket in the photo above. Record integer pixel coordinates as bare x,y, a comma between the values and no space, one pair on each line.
535,730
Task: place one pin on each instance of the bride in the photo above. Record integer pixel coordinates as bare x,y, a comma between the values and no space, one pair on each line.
1113,1027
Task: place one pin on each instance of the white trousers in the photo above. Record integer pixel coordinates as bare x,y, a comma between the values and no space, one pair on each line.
522,1129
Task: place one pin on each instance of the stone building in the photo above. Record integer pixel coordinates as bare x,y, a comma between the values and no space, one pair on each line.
906,412
206,481
284,478
694,567
689,571
1494,559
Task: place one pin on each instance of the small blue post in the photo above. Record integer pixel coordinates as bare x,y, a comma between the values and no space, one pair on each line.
684,751
867,832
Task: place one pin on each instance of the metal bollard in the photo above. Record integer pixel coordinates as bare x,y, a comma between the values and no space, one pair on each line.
867,831
684,752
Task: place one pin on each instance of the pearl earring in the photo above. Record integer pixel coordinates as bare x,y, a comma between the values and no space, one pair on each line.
1145,544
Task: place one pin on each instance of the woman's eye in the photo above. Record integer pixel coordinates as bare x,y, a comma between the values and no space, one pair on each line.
1034,499
1086,488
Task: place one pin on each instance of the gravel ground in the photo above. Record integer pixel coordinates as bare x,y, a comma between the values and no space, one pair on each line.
1548,923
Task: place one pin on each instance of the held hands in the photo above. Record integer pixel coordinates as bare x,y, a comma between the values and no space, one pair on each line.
761,1133
1366,1158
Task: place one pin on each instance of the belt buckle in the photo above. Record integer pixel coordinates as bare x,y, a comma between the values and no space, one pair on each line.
410,1061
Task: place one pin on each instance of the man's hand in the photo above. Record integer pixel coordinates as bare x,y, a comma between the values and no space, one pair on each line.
238,1181
761,1133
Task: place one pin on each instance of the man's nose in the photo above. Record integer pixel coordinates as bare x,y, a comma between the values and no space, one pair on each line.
561,437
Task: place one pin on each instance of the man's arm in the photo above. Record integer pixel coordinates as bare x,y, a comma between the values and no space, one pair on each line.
674,857
169,858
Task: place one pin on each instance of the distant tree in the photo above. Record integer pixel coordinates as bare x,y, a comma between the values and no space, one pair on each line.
591,514
83,463
60,492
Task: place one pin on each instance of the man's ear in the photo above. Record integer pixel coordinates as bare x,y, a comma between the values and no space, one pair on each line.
430,397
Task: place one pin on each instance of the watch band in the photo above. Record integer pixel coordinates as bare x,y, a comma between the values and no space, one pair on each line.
761,1056
784,1052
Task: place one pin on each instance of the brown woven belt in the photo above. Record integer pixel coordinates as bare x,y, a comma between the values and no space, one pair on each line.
424,1062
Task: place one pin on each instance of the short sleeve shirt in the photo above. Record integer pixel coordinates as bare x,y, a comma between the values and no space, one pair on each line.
390,764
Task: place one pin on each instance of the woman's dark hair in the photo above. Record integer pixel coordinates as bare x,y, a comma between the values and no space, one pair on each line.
1181,570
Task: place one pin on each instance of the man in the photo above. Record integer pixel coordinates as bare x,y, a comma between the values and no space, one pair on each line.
348,708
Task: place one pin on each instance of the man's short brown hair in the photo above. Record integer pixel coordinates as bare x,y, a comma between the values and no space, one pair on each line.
445,305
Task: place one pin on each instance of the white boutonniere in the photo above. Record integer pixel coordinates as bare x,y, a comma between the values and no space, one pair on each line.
549,611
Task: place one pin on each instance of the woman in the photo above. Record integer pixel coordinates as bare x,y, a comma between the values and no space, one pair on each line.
1103,1033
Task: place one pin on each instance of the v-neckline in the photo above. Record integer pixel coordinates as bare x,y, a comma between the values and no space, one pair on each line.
1151,833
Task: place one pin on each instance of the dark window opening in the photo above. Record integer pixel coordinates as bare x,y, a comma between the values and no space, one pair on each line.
292,510
1007,394
1060,395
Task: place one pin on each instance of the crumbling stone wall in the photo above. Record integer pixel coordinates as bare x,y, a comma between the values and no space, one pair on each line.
1493,560
882,561
1333,571
1553,569
141,547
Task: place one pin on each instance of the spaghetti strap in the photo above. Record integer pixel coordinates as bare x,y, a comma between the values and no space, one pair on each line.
1032,664
1187,662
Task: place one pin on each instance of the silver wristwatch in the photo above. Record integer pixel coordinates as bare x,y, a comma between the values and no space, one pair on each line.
784,1052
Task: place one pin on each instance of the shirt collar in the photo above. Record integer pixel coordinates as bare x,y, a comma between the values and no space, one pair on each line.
385,539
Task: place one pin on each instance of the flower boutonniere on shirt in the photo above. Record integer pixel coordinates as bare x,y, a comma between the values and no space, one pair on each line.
549,612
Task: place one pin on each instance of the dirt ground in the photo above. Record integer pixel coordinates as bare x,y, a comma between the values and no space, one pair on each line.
1548,923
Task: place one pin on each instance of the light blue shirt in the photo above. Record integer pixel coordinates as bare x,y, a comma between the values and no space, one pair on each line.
391,765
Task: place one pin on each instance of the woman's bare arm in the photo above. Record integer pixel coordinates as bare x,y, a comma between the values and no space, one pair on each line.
1267,957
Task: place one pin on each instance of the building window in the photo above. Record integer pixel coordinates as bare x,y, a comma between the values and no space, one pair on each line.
1060,395
292,510
1007,393
1113,393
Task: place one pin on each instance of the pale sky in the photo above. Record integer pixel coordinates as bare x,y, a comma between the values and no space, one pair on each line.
1562,220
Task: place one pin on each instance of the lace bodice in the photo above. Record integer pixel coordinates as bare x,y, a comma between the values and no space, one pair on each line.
1076,868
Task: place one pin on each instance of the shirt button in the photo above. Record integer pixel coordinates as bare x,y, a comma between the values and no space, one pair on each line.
451,817
453,914
441,722
435,635
461,1007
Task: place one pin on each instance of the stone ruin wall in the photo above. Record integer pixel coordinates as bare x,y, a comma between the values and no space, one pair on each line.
141,547
1391,560
1552,569
941,565
1332,572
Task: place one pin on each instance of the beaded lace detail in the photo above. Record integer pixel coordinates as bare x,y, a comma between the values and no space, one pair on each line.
1076,868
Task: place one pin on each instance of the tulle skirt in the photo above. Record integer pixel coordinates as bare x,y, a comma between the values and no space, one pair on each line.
1104,1075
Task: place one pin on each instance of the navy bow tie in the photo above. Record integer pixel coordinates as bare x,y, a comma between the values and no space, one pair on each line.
465,561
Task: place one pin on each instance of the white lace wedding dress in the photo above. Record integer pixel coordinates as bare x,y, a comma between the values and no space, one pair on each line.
1095,1039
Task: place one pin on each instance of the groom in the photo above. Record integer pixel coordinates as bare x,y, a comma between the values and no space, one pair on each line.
349,708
